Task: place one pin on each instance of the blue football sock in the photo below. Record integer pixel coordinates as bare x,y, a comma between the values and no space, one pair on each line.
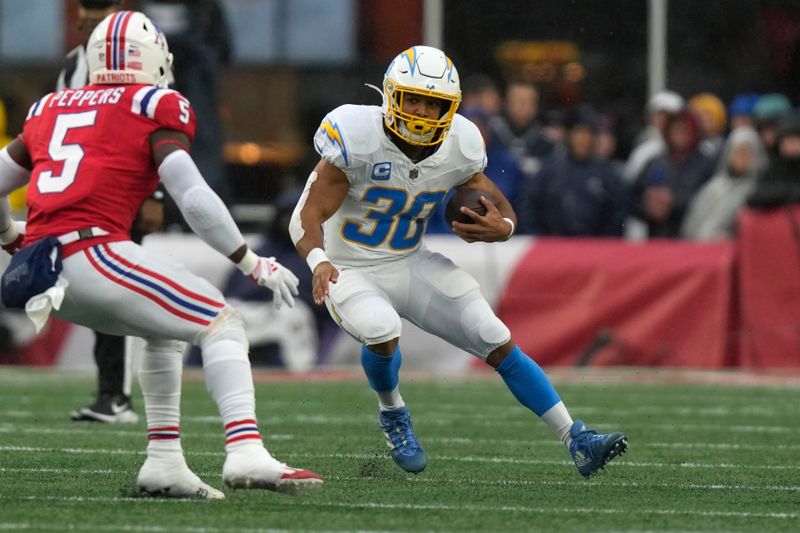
527,382
382,370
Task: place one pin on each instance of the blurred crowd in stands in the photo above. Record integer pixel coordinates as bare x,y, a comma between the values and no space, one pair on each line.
695,163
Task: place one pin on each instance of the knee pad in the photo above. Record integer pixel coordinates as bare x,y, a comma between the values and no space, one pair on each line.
486,332
371,320
165,347
384,325
227,328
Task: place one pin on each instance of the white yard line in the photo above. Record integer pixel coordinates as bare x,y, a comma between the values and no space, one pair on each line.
84,430
21,526
452,481
82,471
583,483
470,506
478,422
510,412
550,510
464,458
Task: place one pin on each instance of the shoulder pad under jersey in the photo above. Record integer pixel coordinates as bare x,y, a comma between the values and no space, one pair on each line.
470,140
168,108
38,106
348,135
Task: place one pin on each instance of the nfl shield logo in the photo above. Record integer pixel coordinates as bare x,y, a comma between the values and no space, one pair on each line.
413,173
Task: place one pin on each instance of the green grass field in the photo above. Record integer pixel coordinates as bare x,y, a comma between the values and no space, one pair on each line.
701,458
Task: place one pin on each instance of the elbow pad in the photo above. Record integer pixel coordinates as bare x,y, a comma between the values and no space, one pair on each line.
202,208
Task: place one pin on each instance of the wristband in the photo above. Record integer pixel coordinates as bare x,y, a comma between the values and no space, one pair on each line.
315,257
513,227
248,263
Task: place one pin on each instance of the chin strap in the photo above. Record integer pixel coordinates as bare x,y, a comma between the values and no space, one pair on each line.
380,92
384,103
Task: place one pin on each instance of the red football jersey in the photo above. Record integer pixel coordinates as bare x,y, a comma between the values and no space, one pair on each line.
92,161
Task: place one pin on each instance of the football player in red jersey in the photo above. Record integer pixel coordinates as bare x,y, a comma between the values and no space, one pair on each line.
112,354
91,156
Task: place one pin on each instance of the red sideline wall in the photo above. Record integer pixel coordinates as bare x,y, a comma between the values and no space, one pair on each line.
661,303
769,288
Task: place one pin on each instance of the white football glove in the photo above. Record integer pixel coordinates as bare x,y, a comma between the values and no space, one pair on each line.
267,272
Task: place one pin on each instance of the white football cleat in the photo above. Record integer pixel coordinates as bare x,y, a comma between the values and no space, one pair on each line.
254,468
170,477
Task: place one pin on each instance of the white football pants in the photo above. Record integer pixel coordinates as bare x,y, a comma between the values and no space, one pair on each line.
425,288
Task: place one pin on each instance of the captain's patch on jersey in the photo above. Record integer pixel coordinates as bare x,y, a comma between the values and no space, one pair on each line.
382,171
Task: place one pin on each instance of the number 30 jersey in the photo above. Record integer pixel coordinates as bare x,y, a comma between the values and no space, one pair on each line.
390,197
91,155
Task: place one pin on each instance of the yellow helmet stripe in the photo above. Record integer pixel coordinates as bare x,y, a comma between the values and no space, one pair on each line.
411,57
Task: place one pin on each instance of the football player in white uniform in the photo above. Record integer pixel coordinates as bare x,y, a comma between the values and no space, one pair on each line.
359,224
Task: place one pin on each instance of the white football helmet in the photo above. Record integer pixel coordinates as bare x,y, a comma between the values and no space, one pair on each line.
425,71
127,47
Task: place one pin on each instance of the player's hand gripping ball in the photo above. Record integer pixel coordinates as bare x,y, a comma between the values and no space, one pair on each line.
465,197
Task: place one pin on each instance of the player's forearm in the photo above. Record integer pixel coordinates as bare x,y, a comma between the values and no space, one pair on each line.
305,229
324,193
305,226
200,206
310,235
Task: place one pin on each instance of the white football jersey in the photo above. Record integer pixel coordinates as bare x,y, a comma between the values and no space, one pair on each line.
390,197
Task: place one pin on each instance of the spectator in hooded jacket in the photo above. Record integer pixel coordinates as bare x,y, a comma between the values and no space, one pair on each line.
781,184
650,144
713,121
662,192
713,211
740,111
769,112
575,193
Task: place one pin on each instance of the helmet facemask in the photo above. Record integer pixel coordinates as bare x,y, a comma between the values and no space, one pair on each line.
414,129
426,72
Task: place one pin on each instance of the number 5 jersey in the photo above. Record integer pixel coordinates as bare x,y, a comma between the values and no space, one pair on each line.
92,160
390,198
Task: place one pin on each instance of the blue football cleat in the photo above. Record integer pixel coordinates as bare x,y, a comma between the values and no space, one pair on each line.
403,445
592,451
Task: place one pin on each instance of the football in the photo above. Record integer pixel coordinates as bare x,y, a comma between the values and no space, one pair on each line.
470,198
